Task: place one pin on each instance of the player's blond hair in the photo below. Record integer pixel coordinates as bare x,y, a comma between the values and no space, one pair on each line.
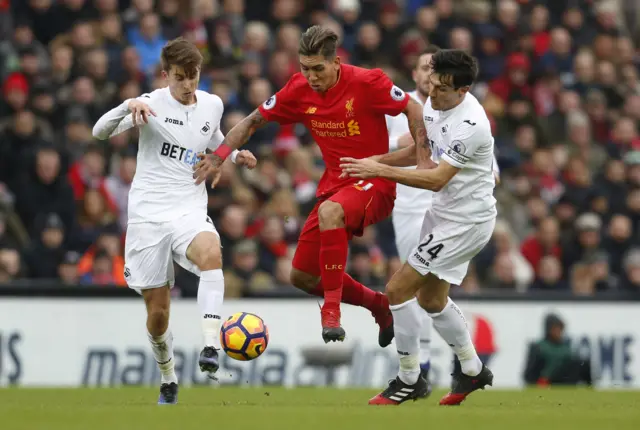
181,52
318,40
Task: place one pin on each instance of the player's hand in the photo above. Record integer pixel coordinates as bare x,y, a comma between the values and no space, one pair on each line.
209,166
364,168
140,112
246,158
216,178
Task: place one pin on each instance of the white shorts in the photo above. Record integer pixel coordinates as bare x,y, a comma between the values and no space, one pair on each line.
406,227
447,247
151,248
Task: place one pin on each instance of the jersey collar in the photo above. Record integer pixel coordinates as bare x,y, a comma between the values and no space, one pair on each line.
177,105
339,83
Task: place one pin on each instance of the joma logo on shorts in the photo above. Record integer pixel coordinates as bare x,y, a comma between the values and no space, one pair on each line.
333,267
421,259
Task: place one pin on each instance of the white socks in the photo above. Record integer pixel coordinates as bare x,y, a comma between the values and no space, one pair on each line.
452,326
407,322
210,297
162,347
425,339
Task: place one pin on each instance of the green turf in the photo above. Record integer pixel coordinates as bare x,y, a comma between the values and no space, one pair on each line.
312,409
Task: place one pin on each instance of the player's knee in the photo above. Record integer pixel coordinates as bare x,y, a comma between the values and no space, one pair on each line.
330,215
303,281
395,293
210,258
431,301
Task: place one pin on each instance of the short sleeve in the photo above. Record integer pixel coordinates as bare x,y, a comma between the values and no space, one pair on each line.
467,137
282,107
218,109
216,139
384,96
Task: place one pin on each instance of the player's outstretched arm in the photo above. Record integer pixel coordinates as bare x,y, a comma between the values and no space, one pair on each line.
237,136
403,157
121,118
428,179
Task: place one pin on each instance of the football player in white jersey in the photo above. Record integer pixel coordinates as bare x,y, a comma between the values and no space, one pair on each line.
167,212
411,203
456,227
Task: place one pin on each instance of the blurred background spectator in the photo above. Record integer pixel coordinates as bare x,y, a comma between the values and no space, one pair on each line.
558,79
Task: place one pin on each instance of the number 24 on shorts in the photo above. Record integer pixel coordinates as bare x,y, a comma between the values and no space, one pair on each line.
433,251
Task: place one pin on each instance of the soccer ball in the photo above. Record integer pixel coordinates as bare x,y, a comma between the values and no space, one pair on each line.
244,336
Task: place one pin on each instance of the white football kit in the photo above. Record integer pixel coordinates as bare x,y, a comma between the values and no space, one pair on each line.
411,203
166,208
462,215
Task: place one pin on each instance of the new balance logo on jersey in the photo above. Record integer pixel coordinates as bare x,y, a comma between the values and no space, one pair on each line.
187,156
173,121
469,122
428,118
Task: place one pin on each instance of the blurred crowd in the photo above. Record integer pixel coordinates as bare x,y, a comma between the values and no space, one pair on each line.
558,79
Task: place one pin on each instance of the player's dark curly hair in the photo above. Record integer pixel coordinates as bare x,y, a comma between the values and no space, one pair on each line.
319,40
455,66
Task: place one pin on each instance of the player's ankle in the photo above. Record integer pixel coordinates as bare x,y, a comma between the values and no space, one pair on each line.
332,298
168,377
409,377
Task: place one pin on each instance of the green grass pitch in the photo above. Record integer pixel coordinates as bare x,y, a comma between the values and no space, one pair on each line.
312,409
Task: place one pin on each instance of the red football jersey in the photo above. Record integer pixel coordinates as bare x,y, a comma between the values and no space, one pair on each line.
348,120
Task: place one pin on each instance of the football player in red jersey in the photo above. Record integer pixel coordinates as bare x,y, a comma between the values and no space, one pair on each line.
344,108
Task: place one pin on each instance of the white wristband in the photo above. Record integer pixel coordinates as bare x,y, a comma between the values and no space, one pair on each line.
234,155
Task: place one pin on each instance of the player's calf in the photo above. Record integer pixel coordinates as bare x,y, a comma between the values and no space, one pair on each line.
161,339
205,252
333,260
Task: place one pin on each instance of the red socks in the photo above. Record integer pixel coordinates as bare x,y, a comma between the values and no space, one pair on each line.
334,247
354,293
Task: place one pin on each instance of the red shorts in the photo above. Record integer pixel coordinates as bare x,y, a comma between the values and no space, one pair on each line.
364,203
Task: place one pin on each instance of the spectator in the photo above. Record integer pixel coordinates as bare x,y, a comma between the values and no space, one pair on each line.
46,253
632,270
587,241
68,269
242,276
11,268
101,272
549,275
550,361
42,188
545,242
